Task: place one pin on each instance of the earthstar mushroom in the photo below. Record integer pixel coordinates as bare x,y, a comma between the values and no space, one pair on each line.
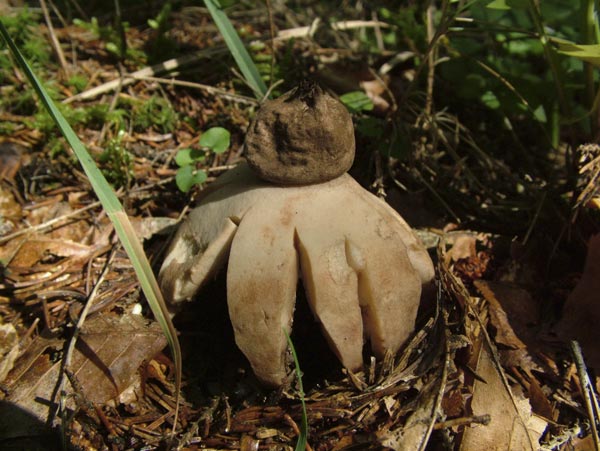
362,266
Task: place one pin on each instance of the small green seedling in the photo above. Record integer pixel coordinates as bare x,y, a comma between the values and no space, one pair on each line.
117,161
215,140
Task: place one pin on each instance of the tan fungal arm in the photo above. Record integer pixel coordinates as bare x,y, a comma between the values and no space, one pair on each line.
261,292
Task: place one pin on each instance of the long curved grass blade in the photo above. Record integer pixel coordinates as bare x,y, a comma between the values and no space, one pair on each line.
237,49
303,437
113,209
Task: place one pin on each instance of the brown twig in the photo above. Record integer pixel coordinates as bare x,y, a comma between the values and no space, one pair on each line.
272,40
431,57
188,84
165,66
55,44
463,421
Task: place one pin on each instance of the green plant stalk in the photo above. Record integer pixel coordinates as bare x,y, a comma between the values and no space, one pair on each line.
550,55
590,37
303,437
237,49
115,212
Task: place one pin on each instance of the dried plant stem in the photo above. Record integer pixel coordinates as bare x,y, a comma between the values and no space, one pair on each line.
464,421
272,40
438,411
55,44
165,66
431,56
50,223
188,84
587,391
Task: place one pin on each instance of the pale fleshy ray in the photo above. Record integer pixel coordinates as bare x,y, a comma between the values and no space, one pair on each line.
362,266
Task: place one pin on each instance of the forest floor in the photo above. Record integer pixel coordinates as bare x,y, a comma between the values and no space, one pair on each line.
491,364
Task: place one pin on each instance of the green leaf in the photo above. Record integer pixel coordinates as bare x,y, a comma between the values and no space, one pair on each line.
357,101
188,156
490,100
506,5
187,176
540,114
498,5
216,139
590,53
153,24
113,48
237,49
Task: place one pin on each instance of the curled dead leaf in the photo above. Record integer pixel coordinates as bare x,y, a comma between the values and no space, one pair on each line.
581,313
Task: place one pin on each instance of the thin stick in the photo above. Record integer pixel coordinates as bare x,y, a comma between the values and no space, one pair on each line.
55,44
175,63
188,84
437,408
50,223
343,25
378,34
165,66
272,40
591,402
430,58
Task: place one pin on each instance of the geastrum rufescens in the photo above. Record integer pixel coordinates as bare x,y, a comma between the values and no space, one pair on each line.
292,210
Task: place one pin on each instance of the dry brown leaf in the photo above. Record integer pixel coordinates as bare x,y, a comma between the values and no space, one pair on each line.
512,426
512,312
9,207
343,78
453,403
9,348
110,350
53,208
10,211
12,156
581,313
33,250
108,354
540,403
415,432
464,246
582,443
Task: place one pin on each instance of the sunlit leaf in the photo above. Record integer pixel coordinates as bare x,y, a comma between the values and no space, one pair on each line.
588,53
216,139
357,101
506,5
540,114
499,5
187,176
237,49
490,100
188,156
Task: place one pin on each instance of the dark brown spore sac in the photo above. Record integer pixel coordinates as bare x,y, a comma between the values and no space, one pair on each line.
305,136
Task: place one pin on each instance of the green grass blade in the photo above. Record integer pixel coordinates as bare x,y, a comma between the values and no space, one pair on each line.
114,210
237,49
303,438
